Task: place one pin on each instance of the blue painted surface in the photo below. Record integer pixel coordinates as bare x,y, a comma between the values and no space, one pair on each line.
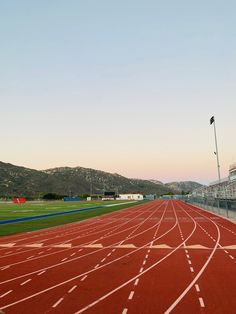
72,199
9,221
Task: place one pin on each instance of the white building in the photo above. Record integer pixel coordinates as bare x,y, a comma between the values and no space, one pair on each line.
129,197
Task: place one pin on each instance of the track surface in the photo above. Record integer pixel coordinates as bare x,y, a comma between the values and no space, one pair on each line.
159,257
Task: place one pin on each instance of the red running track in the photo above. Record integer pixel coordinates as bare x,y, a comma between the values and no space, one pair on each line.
159,257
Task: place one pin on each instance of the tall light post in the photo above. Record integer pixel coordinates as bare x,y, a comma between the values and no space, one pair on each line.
212,121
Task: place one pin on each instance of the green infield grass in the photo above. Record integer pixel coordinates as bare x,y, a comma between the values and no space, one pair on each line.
12,211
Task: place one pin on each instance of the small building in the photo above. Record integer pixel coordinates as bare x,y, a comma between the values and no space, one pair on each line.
150,197
129,197
109,196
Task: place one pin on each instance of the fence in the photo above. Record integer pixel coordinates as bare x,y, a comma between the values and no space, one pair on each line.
224,207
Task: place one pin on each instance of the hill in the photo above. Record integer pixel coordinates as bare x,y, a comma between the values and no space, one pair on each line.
185,186
21,181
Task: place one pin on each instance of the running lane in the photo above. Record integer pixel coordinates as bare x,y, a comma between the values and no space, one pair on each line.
160,257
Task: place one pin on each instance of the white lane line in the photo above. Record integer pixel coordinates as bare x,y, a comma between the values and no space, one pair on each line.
103,260
191,269
186,251
42,272
231,256
188,256
149,251
131,295
96,266
30,257
109,254
72,289
58,302
84,278
146,256
5,267
125,311
72,254
141,270
197,288
136,282
144,262
25,282
226,252
64,259
201,302
6,293
189,262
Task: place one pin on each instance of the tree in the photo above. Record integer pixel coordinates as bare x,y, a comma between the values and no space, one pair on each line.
52,196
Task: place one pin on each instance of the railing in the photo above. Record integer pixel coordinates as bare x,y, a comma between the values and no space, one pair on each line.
217,182
221,206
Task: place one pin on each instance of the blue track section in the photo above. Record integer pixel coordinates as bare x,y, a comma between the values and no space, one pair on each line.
10,221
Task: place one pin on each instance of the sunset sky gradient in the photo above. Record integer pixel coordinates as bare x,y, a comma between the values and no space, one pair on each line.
122,86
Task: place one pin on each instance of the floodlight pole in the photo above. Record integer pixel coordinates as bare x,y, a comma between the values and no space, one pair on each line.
91,183
212,120
217,154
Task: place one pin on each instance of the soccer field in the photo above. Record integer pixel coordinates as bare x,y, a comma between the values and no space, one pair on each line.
15,211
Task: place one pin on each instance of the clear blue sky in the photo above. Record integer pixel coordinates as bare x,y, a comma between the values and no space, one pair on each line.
121,86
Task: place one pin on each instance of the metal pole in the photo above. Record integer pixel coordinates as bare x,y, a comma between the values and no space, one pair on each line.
91,184
217,154
212,120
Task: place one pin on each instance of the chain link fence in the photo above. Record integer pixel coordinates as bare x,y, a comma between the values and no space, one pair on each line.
224,207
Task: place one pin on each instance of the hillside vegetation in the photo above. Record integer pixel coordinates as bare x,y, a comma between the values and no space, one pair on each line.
21,181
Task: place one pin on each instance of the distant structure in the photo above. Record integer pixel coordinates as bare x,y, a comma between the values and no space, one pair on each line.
225,188
128,197
232,172
150,197
109,196
19,200
72,199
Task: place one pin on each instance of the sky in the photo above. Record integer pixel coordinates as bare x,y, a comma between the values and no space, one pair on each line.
124,86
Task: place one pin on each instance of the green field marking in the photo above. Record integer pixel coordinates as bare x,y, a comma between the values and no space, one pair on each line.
9,212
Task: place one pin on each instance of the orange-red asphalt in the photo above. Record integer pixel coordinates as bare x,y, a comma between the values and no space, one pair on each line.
164,256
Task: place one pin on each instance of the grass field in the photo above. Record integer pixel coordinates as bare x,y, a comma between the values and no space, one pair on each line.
12,211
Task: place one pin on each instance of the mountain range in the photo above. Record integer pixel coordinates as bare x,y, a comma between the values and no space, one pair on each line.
21,181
